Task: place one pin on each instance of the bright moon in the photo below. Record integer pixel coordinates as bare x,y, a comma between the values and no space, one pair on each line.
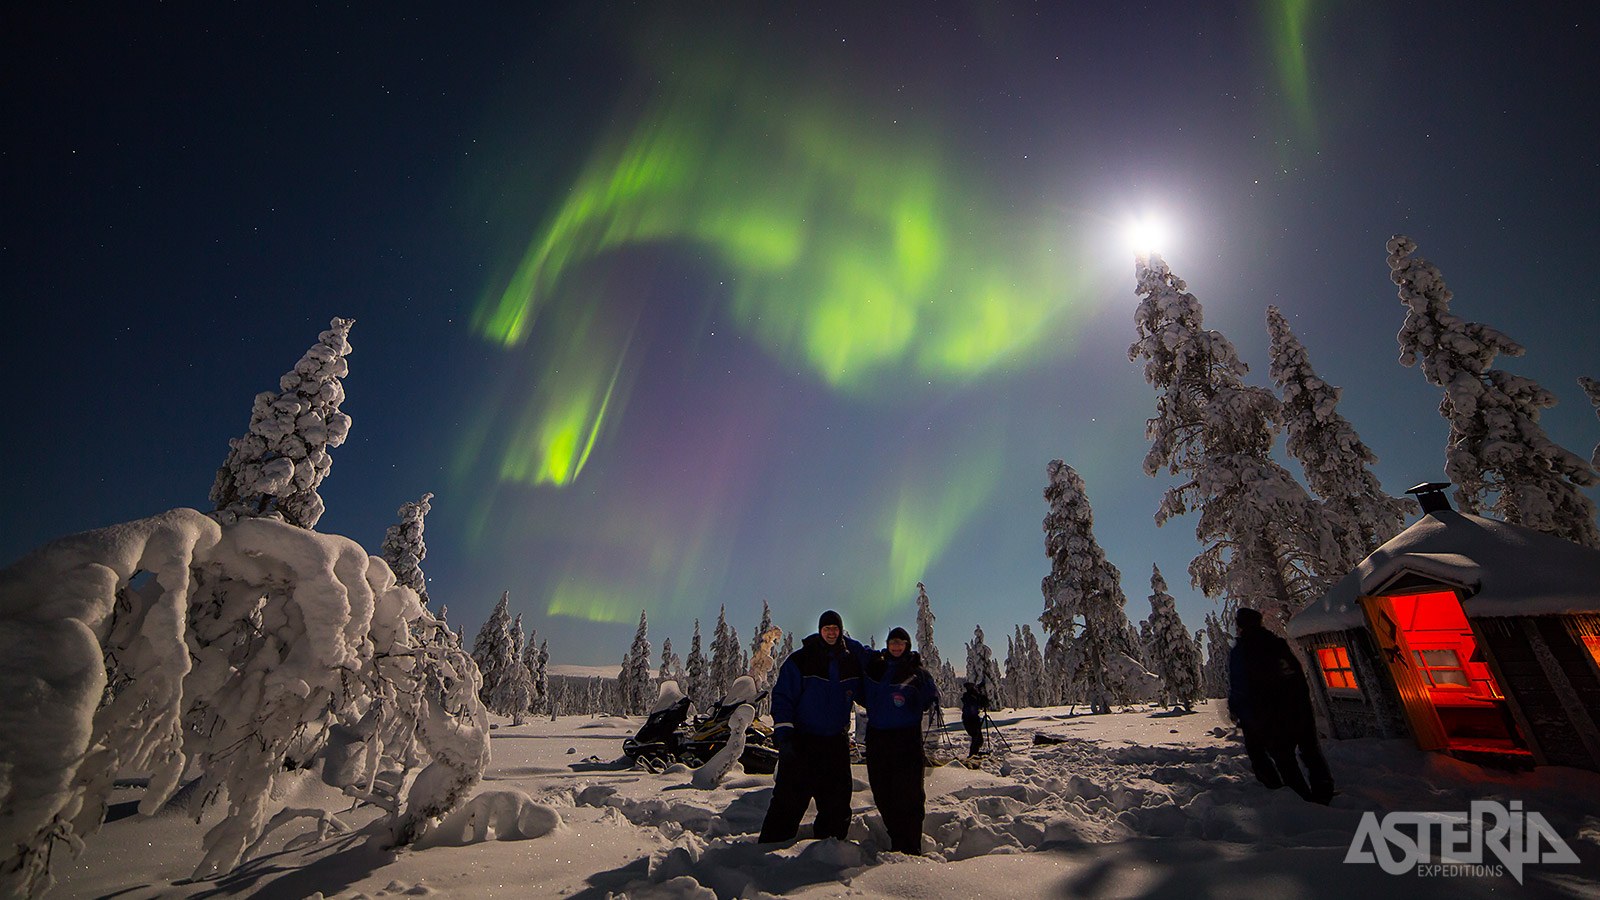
1146,235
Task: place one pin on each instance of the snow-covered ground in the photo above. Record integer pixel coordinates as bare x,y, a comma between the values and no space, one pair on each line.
1139,803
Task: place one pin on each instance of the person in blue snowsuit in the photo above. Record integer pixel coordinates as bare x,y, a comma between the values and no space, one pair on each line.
811,703
898,692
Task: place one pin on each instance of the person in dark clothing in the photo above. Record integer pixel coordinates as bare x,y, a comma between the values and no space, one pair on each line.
898,691
973,702
1269,697
811,703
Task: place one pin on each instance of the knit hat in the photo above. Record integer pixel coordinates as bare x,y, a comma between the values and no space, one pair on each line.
897,634
1247,617
829,618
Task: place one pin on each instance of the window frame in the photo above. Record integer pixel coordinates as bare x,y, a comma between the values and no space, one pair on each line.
1340,654
1426,670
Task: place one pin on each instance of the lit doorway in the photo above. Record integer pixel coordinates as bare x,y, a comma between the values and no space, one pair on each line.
1446,686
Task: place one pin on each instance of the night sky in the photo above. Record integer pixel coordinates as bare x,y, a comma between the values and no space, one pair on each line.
677,309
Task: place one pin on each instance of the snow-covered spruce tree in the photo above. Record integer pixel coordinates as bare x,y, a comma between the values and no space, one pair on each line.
513,694
541,678
1219,641
1174,656
274,470
769,674
1497,454
494,650
947,675
724,657
1018,679
1083,598
634,680
1037,691
1058,686
1141,642
760,635
1027,659
1266,543
537,701
1011,681
1336,462
762,667
942,673
671,666
784,652
1017,669
981,665
1592,389
1136,643
617,700
404,550
698,677
925,619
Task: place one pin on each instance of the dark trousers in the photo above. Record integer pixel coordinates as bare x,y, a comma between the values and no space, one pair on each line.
974,726
817,768
894,769
1272,756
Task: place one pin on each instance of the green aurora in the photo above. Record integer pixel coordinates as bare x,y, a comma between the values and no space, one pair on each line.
853,249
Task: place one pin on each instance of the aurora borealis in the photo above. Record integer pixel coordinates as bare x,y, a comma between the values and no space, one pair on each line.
685,306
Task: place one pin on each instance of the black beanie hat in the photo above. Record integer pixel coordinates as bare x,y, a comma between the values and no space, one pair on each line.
829,618
897,633
1247,617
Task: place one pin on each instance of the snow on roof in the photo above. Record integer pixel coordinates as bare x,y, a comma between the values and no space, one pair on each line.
1502,569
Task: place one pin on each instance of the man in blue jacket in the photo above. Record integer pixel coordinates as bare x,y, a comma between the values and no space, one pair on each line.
811,718
899,690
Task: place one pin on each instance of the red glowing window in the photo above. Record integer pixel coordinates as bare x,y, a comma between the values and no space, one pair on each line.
1592,641
1336,668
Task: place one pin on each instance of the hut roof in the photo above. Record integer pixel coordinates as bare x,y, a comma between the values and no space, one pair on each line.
1502,569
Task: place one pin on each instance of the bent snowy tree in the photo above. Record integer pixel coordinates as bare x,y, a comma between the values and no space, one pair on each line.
236,652
1336,461
1266,543
1497,454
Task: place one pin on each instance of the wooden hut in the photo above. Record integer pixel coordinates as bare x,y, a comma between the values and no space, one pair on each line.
1475,637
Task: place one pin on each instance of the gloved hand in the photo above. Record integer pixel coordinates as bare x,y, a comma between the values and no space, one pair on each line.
784,739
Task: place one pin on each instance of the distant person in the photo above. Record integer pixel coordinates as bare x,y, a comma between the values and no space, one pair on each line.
973,702
898,691
1269,697
811,703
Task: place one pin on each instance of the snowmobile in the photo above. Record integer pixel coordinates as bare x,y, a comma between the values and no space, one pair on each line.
657,739
666,738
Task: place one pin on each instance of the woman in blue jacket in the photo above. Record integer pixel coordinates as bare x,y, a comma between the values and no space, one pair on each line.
898,691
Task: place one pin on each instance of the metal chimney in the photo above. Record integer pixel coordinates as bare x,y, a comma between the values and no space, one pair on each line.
1431,495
